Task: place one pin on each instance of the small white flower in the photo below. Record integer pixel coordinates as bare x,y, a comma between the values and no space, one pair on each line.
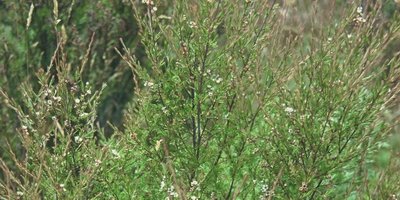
148,83
218,80
19,193
264,188
57,99
77,101
78,139
49,102
194,183
162,184
226,116
116,154
147,2
193,198
192,24
289,110
172,192
83,114
255,150
171,189
87,83
210,94
47,92
88,91
359,9
158,144
63,187
97,163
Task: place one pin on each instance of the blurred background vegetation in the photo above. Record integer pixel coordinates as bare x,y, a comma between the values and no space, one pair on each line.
24,50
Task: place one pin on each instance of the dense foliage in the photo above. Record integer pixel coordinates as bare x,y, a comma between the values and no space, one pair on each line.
199,99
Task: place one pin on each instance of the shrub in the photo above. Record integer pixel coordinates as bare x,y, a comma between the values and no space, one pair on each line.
226,105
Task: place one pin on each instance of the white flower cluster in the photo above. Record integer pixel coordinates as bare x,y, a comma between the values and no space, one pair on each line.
289,110
171,192
115,153
162,184
149,4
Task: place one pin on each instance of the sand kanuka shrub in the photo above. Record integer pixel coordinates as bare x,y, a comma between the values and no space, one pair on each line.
35,35
225,106
59,137
61,147
64,153
29,39
233,108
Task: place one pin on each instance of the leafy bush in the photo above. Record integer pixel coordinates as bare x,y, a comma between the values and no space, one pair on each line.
233,100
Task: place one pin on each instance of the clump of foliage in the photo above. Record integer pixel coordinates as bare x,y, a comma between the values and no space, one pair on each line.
228,103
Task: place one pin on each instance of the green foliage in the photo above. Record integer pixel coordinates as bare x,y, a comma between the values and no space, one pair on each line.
212,100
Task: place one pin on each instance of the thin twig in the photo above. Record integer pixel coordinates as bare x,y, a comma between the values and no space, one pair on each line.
179,190
86,58
240,187
275,183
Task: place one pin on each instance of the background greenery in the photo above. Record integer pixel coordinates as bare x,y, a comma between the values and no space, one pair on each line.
199,99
